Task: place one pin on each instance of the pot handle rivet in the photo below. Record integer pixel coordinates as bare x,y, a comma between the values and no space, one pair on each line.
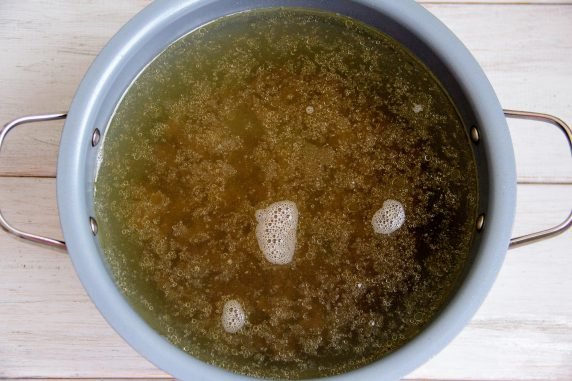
475,137
480,222
93,225
95,137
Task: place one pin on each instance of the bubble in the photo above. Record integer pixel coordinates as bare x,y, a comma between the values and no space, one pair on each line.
389,218
233,317
276,231
309,110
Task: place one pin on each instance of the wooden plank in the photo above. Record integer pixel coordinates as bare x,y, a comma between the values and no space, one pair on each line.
525,50
30,204
47,47
523,331
527,55
50,328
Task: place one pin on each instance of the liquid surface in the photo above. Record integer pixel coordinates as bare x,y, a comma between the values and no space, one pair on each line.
276,105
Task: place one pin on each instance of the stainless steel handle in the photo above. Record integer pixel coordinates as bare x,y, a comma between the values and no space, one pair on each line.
9,228
567,223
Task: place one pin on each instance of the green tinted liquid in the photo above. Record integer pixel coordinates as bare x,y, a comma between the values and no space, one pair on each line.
293,105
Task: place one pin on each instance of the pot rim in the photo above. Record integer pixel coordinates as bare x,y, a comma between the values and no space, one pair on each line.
74,190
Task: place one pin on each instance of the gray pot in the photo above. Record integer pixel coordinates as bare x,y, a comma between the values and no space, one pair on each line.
163,22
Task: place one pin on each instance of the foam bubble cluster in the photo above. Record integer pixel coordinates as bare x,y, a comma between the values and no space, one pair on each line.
389,218
233,317
276,231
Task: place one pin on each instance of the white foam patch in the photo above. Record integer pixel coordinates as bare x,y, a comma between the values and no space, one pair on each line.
233,317
276,231
417,108
389,218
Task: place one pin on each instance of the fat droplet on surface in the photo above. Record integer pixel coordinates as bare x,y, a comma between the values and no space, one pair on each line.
388,218
276,231
233,317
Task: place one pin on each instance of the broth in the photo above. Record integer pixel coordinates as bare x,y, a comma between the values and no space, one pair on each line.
286,105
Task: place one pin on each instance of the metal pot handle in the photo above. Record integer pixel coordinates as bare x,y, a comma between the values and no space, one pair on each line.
9,228
567,223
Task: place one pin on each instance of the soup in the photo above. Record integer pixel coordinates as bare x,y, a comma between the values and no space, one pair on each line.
286,193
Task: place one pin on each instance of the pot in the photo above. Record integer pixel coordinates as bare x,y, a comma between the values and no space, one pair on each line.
163,22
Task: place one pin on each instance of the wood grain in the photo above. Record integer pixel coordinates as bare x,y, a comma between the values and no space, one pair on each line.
525,50
527,54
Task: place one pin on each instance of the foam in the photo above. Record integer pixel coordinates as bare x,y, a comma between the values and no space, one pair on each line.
233,317
276,231
389,218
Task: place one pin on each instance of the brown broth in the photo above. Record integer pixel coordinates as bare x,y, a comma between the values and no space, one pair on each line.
286,104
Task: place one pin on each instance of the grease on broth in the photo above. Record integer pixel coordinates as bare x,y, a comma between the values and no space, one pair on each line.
286,104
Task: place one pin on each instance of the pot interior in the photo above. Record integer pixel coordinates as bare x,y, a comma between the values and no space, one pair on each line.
176,21
186,23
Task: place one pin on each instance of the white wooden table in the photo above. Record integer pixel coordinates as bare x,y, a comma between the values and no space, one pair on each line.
50,329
